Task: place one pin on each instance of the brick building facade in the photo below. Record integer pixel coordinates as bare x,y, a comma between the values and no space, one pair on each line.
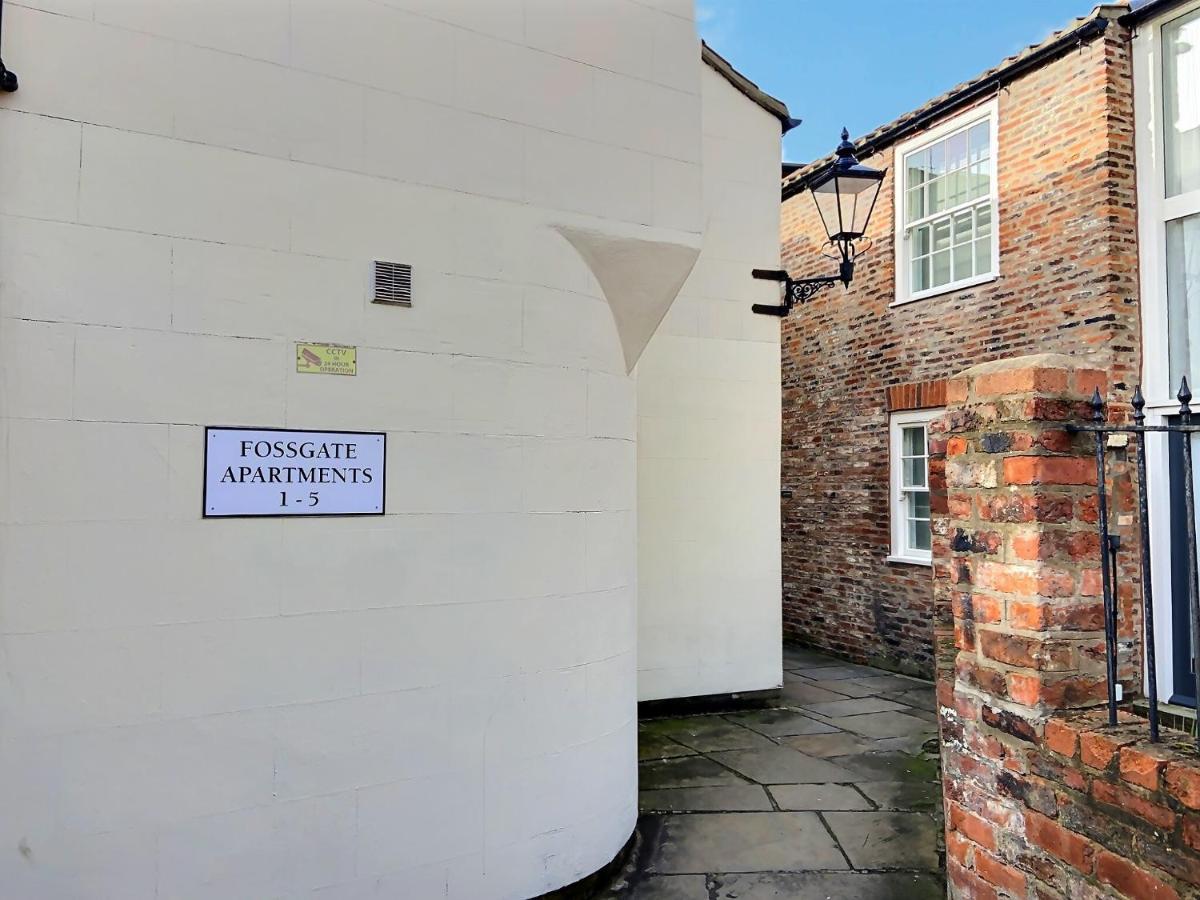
1050,261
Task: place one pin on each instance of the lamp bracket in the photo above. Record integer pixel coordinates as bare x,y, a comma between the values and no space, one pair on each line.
798,290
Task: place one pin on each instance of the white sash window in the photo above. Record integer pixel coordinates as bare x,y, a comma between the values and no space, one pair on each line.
909,438
946,207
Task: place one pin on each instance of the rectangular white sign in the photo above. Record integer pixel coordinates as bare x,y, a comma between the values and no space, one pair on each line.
279,472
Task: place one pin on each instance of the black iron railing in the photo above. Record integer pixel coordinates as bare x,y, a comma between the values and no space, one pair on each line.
1110,543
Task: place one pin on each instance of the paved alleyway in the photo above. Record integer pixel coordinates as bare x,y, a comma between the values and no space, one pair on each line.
833,794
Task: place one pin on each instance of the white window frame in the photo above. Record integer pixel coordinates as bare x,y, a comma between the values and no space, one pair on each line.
897,495
987,111
1154,211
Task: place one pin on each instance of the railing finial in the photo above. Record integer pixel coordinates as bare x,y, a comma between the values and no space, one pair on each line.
1139,406
1184,397
1097,406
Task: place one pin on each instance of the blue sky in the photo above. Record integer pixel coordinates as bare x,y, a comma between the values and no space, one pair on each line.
863,64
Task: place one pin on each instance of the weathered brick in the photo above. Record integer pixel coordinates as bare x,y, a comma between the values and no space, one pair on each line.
1038,615
1183,783
1006,579
959,849
1061,738
1010,723
968,883
1142,766
1097,749
1020,381
1132,880
1071,848
1114,795
1032,653
972,826
1048,470
1003,876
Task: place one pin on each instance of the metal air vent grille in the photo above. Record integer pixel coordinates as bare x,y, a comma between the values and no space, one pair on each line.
391,283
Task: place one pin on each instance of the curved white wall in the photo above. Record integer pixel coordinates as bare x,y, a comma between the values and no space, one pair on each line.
439,702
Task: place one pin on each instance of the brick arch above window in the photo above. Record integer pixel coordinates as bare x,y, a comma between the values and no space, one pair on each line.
916,395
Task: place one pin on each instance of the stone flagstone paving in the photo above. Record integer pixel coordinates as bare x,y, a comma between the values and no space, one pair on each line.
832,795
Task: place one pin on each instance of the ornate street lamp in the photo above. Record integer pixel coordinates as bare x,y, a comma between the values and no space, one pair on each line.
845,194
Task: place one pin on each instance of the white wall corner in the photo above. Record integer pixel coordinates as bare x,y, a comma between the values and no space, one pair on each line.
640,279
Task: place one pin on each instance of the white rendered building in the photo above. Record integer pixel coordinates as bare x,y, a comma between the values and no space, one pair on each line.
439,701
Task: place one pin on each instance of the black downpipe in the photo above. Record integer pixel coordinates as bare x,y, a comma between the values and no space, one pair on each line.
8,78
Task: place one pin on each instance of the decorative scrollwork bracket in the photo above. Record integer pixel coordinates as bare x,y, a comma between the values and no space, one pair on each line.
798,290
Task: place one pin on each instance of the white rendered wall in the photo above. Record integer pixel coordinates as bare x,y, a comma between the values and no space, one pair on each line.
709,577
436,703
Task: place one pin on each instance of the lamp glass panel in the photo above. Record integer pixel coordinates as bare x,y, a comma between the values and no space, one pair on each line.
827,205
856,184
845,202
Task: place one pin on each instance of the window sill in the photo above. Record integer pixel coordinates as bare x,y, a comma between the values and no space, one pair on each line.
910,561
947,289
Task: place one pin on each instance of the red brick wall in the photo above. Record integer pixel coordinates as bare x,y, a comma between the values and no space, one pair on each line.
1068,284
1041,801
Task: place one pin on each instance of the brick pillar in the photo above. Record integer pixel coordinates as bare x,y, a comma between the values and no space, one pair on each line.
1016,574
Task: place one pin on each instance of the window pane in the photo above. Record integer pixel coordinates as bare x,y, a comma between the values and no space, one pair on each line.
920,275
979,180
940,270
962,226
983,255
914,472
963,260
917,164
916,204
919,537
920,241
913,443
936,200
983,220
1181,99
980,141
956,151
920,504
1183,297
937,159
941,234
956,188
